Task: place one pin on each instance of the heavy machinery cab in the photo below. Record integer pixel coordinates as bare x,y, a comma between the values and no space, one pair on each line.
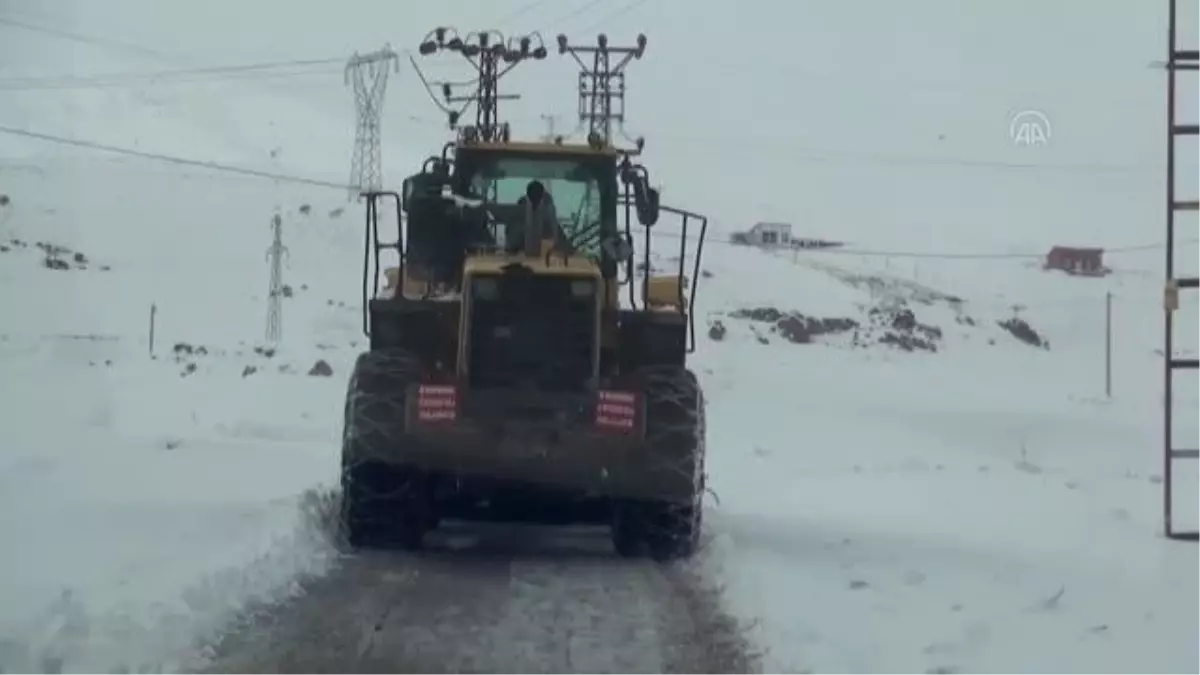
467,297
473,203
581,182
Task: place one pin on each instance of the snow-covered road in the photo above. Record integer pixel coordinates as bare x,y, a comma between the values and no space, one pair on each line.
497,598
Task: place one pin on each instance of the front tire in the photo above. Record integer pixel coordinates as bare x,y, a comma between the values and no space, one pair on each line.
675,430
382,499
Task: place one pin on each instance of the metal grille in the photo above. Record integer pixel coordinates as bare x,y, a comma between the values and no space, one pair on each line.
532,333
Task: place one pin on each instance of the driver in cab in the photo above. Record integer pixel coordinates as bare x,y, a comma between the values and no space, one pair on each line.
539,221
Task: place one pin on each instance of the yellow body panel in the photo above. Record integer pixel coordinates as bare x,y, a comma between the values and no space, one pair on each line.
489,264
494,263
579,267
665,292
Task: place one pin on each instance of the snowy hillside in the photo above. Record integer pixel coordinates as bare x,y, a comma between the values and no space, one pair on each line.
177,479
901,483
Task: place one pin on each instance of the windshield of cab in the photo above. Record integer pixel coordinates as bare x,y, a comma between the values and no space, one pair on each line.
571,185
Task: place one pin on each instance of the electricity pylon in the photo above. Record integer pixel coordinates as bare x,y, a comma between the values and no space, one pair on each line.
368,75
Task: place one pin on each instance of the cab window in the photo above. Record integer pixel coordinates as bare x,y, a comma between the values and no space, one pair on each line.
571,185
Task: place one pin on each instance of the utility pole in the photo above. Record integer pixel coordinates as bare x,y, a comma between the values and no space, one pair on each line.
275,255
492,55
367,74
551,123
602,85
1108,344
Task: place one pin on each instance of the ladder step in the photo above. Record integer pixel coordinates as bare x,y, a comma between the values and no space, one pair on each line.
1184,454
1191,364
1186,129
1186,55
1187,282
1186,206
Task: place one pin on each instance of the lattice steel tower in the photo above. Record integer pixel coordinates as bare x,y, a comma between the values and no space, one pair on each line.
275,255
368,75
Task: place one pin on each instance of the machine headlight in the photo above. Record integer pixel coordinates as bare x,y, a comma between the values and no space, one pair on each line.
485,288
582,288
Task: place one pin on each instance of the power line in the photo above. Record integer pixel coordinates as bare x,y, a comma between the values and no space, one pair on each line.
976,255
519,12
107,43
805,154
201,75
169,73
433,96
620,11
80,37
215,166
948,255
286,178
789,77
269,65
174,81
72,81
180,81
570,15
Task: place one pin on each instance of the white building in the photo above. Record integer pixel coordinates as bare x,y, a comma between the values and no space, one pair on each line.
770,235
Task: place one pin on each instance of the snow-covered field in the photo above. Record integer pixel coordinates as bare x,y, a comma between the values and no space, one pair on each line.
981,507
154,495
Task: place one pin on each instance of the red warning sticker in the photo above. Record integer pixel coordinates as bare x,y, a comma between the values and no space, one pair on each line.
616,411
437,403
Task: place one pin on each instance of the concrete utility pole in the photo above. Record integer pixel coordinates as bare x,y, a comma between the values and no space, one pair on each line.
368,75
602,83
492,55
275,255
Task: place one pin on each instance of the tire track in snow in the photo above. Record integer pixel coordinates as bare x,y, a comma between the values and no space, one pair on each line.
495,599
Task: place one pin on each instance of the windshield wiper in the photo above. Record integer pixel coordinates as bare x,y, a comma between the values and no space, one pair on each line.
584,236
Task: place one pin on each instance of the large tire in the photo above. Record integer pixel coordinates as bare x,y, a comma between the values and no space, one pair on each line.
382,499
675,431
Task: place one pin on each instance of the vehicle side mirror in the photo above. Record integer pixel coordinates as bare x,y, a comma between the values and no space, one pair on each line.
647,206
406,192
